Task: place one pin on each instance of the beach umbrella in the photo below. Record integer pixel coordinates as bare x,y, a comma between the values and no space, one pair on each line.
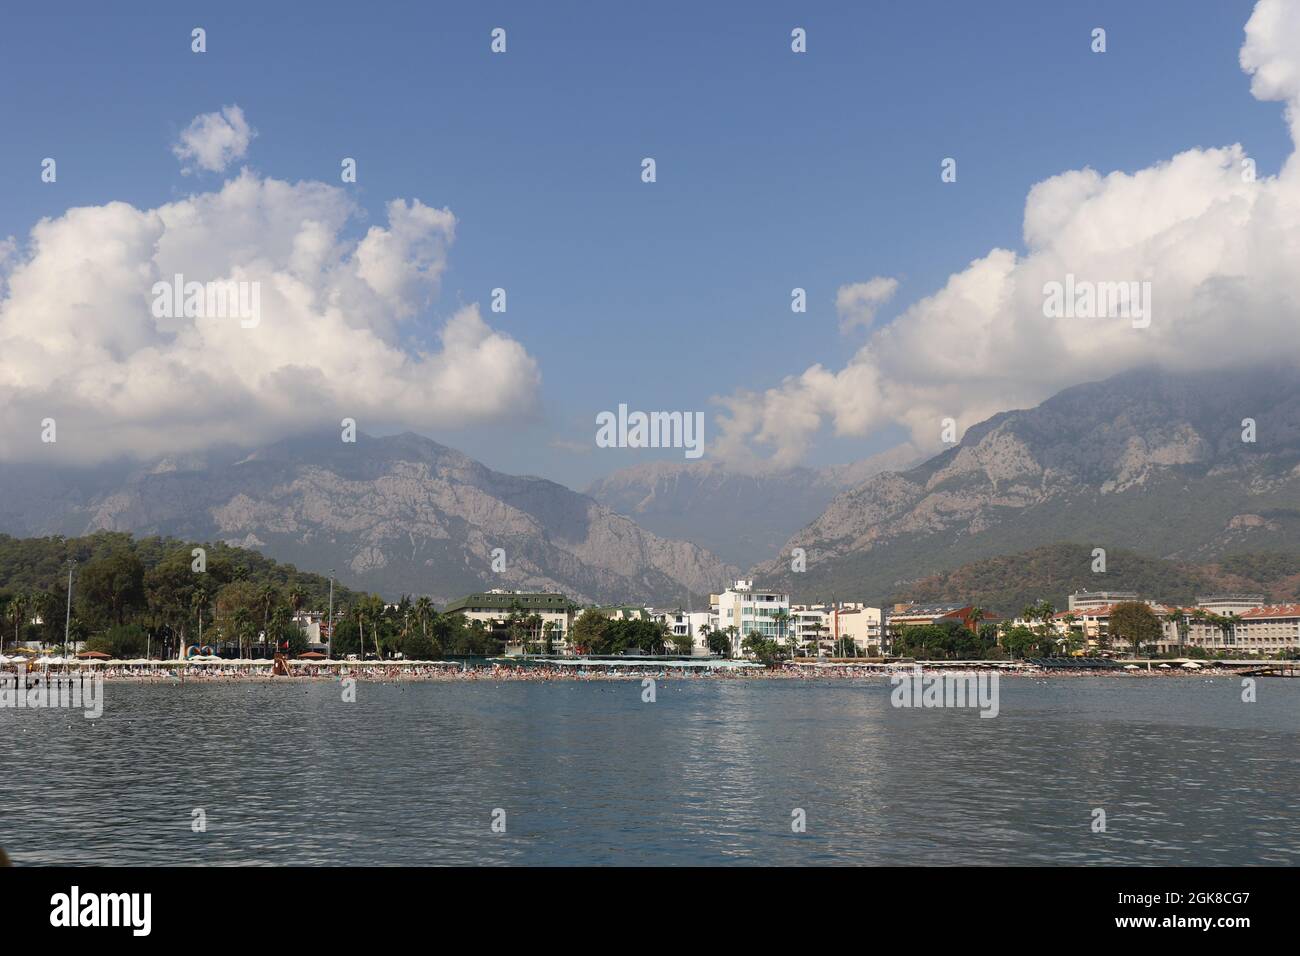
1164,667
1192,665
311,656
93,655
1131,667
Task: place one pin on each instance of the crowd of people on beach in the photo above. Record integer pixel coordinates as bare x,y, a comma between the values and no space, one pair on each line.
392,671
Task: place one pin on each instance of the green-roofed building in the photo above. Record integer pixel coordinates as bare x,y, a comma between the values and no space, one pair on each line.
623,612
538,618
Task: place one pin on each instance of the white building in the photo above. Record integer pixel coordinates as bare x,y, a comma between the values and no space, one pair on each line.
748,610
809,625
1267,630
692,624
822,626
553,615
1089,599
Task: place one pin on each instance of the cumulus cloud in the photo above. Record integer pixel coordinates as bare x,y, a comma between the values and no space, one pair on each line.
858,303
340,331
1218,245
213,141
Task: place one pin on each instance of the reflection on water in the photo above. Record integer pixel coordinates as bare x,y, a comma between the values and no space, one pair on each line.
710,773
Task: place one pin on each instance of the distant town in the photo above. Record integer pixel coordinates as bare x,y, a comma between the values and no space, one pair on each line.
112,598
740,620
745,621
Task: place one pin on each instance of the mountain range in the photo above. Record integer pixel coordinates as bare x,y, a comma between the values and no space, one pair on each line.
1008,583
1197,469
1190,467
397,514
743,517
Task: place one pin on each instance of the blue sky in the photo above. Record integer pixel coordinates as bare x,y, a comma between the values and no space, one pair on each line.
775,170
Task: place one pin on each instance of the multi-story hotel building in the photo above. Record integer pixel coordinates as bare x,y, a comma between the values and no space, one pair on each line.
692,624
1094,599
749,609
494,608
826,624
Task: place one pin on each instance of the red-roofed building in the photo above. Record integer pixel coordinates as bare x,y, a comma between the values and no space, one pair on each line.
1268,630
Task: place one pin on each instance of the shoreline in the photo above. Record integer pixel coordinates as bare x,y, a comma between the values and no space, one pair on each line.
401,675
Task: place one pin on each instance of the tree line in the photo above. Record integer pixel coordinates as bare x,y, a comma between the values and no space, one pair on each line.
136,596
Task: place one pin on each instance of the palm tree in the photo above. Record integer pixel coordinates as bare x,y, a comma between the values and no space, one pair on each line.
532,624
977,614
733,635
280,620
548,636
1179,620
242,620
423,609
781,617
515,624
359,612
297,598
375,609
266,600
198,604
19,607
44,605
817,635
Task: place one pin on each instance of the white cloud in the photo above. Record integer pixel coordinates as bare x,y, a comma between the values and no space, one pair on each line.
213,141
858,303
1219,249
340,333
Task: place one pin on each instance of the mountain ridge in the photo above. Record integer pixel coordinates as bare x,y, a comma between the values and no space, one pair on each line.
400,514
741,515
1146,460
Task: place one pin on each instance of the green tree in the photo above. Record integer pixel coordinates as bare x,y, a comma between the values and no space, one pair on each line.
588,631
424,613
123,641
170,587
1020,642
19,613
113,586
1135,623
764,649
236,613
782,618
1179,620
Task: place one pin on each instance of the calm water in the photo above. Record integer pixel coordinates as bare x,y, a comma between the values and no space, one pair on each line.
709,774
